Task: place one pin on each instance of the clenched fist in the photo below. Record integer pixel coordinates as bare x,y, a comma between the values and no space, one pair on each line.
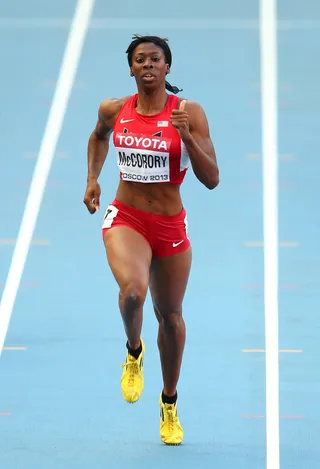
92,195
180,120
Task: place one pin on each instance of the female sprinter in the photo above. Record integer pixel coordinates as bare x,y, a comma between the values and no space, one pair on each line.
156,136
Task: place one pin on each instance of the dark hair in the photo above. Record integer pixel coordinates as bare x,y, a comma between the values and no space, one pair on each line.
158,41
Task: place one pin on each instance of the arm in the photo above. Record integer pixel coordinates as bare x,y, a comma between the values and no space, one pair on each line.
98,147
194,130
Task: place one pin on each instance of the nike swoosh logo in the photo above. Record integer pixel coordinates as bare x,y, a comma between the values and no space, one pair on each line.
177,244
123,121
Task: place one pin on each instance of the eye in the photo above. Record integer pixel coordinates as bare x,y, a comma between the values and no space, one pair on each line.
156,59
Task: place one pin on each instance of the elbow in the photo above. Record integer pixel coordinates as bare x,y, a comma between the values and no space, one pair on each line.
213,177
213,182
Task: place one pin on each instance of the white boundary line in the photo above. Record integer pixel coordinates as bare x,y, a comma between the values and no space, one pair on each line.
269,102
71,59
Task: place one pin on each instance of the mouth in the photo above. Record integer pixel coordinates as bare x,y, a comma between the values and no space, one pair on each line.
148,76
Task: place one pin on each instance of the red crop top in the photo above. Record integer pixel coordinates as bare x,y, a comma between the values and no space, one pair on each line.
149,149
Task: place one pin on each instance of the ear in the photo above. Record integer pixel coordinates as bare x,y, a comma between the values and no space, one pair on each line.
168,69
131,73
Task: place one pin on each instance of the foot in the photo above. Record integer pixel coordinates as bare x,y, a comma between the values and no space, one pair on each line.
171,432
132,379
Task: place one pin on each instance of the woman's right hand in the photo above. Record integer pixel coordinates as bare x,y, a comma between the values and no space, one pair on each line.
92,195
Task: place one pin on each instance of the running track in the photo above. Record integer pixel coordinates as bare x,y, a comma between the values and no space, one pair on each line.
60,401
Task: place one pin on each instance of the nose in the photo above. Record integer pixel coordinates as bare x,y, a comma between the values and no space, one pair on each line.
148,63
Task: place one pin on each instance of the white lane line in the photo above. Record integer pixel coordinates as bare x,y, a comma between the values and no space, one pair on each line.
69,66
269,106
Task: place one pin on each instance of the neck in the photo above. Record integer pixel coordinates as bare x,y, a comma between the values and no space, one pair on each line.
151,101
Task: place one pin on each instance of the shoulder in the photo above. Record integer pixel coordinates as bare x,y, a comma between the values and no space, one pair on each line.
196,113
108,112
109,108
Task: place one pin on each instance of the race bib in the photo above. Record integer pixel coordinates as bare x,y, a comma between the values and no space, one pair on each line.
109,216
143,159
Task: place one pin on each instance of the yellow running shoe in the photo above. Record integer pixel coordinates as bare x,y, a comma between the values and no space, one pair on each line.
171,432
132,379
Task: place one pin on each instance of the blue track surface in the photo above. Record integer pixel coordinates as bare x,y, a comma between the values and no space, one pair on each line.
60,400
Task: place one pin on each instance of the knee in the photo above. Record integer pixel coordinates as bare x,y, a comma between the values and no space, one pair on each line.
133,296
169,320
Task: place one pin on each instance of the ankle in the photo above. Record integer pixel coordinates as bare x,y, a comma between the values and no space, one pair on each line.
135,352
169,399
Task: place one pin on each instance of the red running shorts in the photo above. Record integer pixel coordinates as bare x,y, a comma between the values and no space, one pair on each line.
166,234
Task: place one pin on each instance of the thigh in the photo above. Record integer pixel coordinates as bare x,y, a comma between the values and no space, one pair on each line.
168,281
129,256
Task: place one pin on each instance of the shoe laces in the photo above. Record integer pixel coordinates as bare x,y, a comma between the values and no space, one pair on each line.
171,417
133,369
